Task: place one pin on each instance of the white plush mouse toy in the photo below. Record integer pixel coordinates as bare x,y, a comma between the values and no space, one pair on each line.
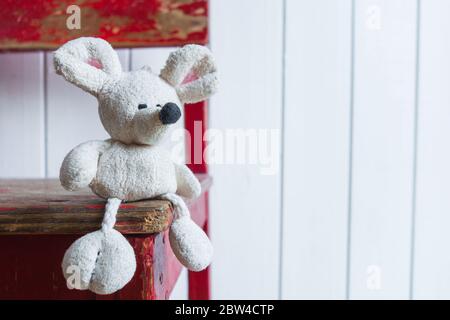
136,108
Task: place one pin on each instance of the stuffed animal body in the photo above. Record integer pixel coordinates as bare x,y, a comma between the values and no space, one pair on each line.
137,109
127,172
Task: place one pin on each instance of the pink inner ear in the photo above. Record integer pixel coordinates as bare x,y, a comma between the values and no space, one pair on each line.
95,63
189,78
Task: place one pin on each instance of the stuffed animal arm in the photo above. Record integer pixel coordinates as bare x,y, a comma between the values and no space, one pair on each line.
187,184
79,167
137,109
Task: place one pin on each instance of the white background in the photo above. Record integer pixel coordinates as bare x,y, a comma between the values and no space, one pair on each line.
360,91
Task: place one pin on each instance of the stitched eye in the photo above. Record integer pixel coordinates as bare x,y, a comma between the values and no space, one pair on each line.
142,106
159,106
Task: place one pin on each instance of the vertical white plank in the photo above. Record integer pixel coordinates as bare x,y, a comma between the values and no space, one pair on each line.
316,149
383,148
22,151
432,258
72,115
153,57
156,58
246,39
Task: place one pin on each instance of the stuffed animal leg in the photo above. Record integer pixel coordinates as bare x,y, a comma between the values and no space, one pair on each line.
102,261
189,242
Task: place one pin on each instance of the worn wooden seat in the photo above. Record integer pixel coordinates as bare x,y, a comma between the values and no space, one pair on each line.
44,207
39,220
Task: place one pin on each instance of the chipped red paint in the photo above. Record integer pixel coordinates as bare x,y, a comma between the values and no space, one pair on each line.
94,206
139,11
141,287
41,24
127,206
156,273
24,16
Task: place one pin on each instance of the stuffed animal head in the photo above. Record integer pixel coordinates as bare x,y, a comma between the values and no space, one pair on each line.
138,106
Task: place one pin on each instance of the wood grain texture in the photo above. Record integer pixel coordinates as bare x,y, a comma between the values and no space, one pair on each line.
431,278
44,207
316,149
22,138
383,149
41,24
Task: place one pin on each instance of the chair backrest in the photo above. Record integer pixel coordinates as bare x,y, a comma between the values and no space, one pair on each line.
26,32
167,23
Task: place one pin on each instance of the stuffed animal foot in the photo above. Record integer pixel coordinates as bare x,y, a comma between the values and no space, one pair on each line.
102,261
189,242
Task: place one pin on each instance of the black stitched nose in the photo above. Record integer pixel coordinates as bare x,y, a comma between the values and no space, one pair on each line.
142,106
170,113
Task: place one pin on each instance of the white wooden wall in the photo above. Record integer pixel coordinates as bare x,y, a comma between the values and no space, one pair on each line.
359,91
316,148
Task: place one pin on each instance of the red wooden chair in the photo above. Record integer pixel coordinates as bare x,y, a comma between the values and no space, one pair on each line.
39,220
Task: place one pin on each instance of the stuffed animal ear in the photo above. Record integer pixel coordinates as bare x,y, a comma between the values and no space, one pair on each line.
87,63
191,62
